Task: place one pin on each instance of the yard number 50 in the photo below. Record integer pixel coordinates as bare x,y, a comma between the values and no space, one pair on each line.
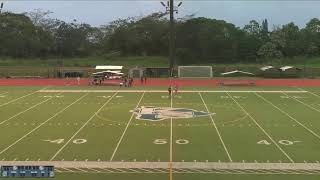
165,141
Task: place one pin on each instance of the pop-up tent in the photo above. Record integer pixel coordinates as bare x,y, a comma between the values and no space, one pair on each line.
236,73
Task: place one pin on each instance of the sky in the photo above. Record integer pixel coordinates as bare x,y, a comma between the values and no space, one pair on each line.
237,12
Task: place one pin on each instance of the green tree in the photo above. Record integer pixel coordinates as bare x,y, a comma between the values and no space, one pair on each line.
269,51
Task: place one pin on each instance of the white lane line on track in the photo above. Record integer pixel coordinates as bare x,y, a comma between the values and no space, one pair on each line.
125,130
288,115
14,100
24,136
80,129
217,130
261,128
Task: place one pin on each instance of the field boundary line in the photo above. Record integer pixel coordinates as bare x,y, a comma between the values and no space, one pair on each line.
309,106
21,97
55,115
21,112
164,165
125,130
217,130
164,91
83,126
288,115
261,128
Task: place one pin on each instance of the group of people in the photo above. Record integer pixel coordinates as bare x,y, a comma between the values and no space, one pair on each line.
173,90
143,80
127,82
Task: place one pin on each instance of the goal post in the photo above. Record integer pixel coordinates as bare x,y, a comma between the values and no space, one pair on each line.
195,72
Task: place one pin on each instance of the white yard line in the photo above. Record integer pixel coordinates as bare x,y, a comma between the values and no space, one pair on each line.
4,93
79,169
14,100
309,106
84,125
171,131
26,110
217,130
125,130
163,91
24,136
308,92
66,169
261,128
285,113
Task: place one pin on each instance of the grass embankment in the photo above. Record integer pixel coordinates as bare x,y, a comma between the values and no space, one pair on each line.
132,61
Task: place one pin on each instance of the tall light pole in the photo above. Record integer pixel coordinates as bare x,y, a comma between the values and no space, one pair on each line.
1,6
170,8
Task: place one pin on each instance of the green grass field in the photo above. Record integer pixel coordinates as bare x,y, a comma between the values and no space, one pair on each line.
265,126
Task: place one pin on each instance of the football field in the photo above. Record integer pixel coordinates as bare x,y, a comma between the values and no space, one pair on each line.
222,133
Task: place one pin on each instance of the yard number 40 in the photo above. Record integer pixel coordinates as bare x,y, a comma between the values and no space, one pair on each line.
282,142
60,141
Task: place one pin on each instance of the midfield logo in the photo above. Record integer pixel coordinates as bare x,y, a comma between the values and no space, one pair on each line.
152,113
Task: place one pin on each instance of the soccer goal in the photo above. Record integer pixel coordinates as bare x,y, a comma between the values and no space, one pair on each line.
194,71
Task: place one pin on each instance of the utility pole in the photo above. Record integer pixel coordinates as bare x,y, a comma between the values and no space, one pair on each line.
1,6
171,9
172,39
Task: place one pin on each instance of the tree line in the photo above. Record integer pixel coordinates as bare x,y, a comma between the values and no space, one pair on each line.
198,39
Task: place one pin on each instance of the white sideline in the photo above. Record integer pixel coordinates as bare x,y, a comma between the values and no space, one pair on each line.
125,130
161,91
261,128
76,133
214,124
285,113
164,165
24,136
26,110
23,97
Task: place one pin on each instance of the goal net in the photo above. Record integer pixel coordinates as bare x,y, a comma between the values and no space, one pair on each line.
195,71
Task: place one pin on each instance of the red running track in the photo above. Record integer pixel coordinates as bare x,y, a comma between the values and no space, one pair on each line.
162,82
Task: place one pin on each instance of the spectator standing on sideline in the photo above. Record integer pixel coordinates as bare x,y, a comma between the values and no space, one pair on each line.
141,79
131,82
176,89
170,91
78,80
145,79
125,82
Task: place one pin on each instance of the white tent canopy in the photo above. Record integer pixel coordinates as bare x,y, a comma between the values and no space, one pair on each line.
119,68
236,71
284,68
266,68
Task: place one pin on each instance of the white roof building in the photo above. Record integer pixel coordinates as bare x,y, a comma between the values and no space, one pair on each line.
119,68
